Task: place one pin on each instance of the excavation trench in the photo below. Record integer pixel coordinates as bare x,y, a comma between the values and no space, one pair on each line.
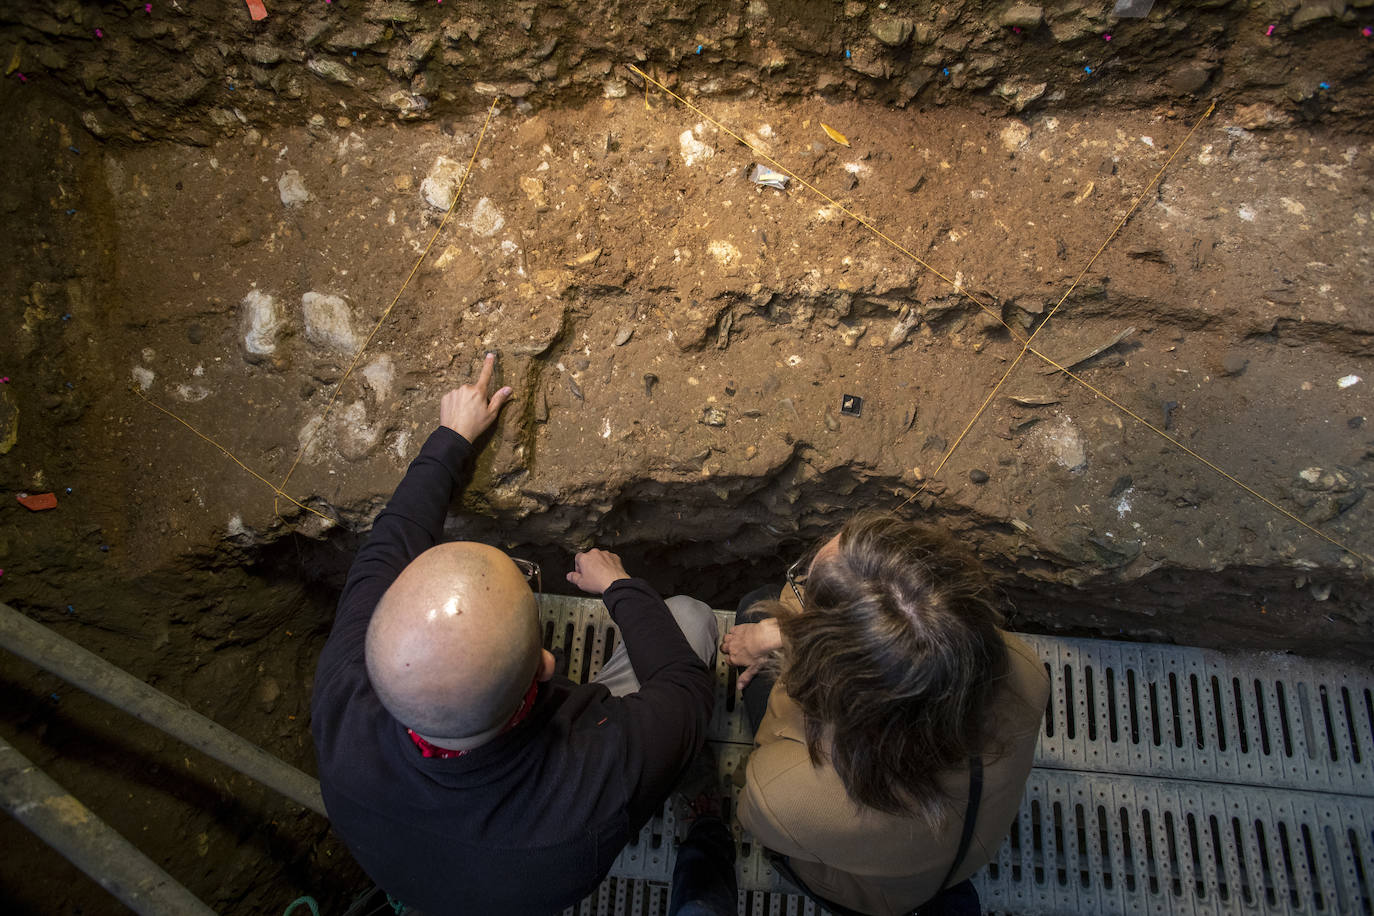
211,221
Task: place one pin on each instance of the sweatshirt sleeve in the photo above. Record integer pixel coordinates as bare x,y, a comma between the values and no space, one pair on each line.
411,523
665,720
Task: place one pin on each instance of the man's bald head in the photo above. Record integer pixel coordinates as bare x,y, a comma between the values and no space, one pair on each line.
454,643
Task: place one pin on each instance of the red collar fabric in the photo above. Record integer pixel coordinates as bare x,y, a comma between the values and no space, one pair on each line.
443,753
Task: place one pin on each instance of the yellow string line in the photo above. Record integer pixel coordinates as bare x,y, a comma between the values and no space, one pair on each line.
1025,341
1244,486
825,197
230,455
457,194
1081,274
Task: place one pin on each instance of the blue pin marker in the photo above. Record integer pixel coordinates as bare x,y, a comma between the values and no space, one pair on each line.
70,609
1088,70
71,212
1323,86
946,71
698,49
74,150
847,54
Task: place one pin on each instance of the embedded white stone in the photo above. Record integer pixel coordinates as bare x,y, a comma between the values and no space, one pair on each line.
379,375
292,189
263,319
693,150
441,183
329,322
485,220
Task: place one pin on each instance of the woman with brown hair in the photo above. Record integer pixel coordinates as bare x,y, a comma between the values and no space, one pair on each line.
895,745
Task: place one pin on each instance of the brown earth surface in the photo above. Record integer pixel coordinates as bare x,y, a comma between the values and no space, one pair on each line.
681,341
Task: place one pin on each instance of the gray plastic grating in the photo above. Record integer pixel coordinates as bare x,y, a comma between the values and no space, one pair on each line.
1085,843
1167,781
1266,720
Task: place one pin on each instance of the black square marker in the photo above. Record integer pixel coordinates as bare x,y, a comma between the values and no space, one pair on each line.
851,405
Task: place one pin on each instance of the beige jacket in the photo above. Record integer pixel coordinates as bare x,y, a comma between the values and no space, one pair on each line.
864,859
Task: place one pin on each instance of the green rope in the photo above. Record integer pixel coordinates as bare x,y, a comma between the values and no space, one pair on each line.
308,901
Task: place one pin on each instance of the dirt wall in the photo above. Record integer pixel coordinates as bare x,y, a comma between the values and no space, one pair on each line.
212,215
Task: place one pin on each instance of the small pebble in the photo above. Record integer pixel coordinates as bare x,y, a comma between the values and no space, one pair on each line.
69,489
978,476
74,150
67,316
1355,422
104,548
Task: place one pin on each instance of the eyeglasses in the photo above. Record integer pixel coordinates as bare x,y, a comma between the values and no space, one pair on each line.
530,569
796,577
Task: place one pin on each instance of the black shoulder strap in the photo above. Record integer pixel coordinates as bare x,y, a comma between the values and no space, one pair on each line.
975,794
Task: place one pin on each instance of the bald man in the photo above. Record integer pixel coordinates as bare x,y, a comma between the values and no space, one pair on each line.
461,773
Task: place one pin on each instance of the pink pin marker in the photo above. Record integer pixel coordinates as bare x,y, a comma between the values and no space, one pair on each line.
1366,31
1106,38
1269,31
147,8
99,34
1016,29
22,77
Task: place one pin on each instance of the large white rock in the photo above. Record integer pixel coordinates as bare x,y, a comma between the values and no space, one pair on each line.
355,437
442,183
262,321
292,189
485,220
379,376
329,322
692,149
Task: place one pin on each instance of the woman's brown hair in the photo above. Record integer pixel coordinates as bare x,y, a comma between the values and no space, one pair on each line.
893,661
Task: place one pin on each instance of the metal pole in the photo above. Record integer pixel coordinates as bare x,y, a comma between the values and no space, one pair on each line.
93,674
88,842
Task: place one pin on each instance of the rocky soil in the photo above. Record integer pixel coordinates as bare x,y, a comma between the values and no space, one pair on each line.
213,216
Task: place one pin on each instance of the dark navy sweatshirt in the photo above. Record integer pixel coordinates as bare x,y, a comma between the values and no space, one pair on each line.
531,821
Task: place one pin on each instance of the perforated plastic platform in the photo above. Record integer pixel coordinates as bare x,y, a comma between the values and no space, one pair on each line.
1167,781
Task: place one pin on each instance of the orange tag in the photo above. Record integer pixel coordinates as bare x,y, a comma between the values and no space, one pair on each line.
37,502
256,10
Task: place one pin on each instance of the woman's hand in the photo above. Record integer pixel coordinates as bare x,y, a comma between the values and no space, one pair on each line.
749,645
